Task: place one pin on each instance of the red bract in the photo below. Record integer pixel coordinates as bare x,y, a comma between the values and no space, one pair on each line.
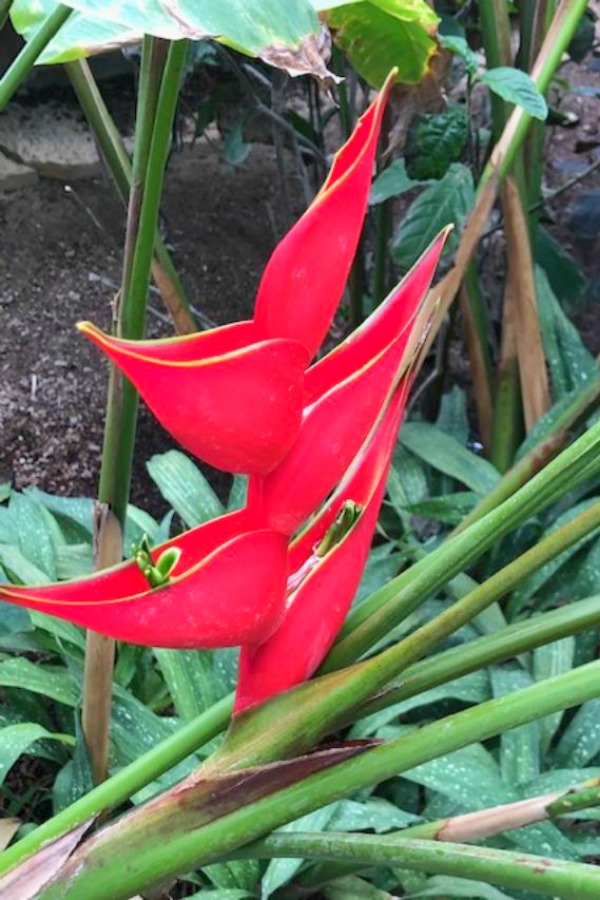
321,589
227,589
233,396
344,394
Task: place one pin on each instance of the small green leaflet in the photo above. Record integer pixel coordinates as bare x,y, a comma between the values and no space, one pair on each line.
517,87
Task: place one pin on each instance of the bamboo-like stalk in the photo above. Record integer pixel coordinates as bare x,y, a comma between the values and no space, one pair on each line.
119,166
5,6
25,61
105,867
571,418
509,869
156,108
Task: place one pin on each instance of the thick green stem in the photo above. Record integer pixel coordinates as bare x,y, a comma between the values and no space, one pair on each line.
373,619
521,871
5,6
507,643
25,61
562,29
119,165
120,787
156,108
535,459
105,867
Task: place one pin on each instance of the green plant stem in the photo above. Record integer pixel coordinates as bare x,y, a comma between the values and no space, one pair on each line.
105,867
384,609
119,165
551,878
25,61
569,419
5,6
159,87
519,638
125,783
506,643
560,33
582,797
138,281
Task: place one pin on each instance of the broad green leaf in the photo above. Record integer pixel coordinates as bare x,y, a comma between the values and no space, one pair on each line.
380,34
452,417
434,141
191,679
565,275
75,778
580,742
517,87
447,455
375,814
448,508
54,682
13,620
351,887
445,201
183,485
78,511
393,182
550,660
570,362
73,561
226,894
407,482
519,747
18,568
33,532
383,563
448,886
17,739
262,28
238,493
5,491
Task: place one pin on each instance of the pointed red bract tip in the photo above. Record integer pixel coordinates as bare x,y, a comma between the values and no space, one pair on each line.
318,607
305,277
227,589
345,393
230,398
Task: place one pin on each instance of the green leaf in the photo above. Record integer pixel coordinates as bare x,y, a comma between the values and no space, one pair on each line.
238,493
5,491
445,201
565,275
380,34
54,682
192,681
516,87
449,886
450,509
183,485
447,455
434,141
458,45
375,814
18,568
393,182
75,778
570,363
580,742
33,532
17,739
519,747
548,661
235,148
280,871
254,26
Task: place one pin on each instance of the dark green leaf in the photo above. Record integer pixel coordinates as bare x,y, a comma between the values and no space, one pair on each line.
516,87
434,141
183,485
393,182
445,201
447,455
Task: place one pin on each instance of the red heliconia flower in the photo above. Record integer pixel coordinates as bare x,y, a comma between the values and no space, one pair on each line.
344,394
321,588
227,589
234,396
